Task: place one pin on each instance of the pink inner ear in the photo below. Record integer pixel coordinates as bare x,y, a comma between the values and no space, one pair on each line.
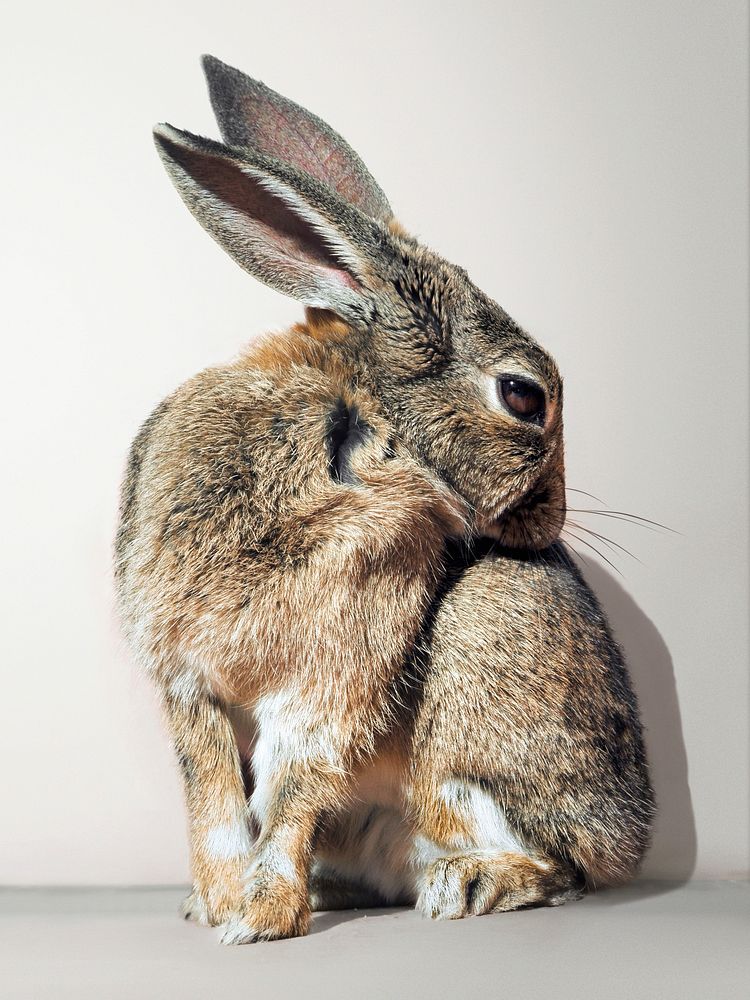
288,135
285,240
292,251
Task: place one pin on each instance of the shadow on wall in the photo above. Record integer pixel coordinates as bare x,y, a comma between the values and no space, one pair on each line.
673,851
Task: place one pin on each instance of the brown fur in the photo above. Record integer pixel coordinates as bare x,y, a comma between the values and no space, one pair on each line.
367,700
526,695
480,884
249,571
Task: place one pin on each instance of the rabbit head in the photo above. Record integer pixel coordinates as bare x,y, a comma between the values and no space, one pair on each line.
472,396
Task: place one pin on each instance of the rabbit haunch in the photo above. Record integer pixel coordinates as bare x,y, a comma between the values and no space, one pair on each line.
368,700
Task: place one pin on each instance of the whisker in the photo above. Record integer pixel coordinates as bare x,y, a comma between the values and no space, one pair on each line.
625,516
594,549
565,551
570,551
609,542
616,516
569,489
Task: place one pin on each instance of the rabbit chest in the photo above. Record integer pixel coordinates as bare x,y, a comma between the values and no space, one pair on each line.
278,523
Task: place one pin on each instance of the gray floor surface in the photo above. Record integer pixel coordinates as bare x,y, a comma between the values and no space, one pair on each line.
650,940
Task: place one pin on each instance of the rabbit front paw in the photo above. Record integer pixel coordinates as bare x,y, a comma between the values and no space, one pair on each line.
211,908
216,894
271,908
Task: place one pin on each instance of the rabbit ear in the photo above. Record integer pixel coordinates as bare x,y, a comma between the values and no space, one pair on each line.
252,115
281,226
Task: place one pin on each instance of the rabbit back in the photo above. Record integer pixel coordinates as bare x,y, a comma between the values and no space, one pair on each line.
256,496
526,700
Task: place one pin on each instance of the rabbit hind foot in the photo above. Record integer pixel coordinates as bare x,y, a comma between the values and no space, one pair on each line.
479,882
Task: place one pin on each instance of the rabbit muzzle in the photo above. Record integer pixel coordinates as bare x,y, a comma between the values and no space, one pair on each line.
535,521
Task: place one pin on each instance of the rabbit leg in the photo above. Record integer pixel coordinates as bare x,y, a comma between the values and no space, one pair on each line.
301,764
470,860
217,807
489,881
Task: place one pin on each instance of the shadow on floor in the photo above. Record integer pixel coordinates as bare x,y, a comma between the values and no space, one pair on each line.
330,918
673,851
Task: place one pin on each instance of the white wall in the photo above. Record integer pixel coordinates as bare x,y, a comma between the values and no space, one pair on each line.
585,161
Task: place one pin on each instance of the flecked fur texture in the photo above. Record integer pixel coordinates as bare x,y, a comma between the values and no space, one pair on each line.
336,560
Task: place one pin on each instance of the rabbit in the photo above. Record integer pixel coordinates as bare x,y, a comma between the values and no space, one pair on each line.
337,559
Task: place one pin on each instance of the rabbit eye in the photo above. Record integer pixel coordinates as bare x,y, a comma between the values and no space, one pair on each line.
524,399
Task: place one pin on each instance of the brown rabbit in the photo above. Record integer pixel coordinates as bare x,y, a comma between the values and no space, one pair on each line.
369,700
